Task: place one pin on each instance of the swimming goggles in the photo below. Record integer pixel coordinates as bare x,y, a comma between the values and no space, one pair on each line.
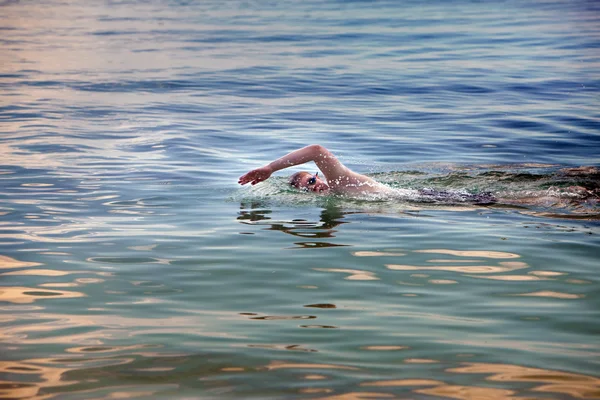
313,179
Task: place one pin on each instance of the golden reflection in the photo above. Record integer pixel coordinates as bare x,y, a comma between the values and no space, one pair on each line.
517,278
89,280
550,381
469,392
556,295
274,365
546,273
39,272
471,253
94,329
23,295
59,284
578,281
376,254
315,390
312,377
354,274
384,348
504,266
32,237
420,361
232,369
442,281
9,262
44,376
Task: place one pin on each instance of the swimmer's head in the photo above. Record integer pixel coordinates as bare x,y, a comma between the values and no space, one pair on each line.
310,183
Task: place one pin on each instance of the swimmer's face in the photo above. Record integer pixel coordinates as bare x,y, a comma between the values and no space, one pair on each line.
307,182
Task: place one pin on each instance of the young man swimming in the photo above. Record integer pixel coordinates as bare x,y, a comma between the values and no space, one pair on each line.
341,180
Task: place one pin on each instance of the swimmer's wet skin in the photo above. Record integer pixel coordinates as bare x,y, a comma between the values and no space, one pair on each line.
341,180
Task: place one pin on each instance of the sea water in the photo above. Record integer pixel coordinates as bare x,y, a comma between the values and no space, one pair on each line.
132,265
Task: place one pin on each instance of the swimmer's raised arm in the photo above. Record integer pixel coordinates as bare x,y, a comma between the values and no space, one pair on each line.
339,177
329,165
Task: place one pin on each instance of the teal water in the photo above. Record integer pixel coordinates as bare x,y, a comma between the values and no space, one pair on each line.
132,265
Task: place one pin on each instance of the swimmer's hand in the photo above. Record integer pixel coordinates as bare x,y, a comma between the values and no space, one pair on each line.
256,175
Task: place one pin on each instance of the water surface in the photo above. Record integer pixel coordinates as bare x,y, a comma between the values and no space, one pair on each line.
133,265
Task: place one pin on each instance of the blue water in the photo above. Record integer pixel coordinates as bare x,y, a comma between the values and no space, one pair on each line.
133,265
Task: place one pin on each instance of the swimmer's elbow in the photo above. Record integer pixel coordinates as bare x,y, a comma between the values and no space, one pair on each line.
317,148
318,151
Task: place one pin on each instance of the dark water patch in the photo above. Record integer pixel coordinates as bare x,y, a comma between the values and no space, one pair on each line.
469,89
321,305
12,76
592,123
53,148
523,124
284,317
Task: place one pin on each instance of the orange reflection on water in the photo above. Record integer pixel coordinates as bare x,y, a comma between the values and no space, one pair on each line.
44,375
556,295
469,392
39,272
59,284
9,262
504,266
354,274
471,253
23,295
312,377
384,348
376,254
315,390
442,281
510,277
550,381
546,273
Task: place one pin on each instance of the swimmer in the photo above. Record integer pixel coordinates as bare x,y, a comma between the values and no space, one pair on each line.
339,179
